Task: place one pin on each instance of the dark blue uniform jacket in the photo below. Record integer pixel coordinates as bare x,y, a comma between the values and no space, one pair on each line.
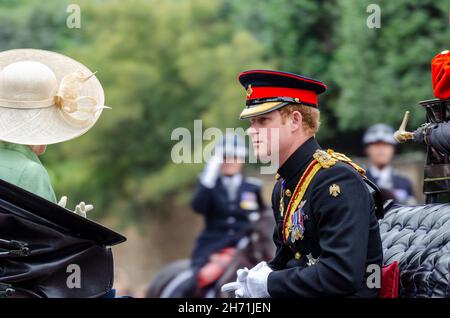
226,221
341,234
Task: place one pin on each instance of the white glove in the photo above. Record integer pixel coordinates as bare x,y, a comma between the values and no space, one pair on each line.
81,208
239,286
256,282
250,283
63,201
210,174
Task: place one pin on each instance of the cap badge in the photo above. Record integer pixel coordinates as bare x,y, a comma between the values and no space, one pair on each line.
249,90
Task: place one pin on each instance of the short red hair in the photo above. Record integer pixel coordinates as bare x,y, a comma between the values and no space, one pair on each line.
310,116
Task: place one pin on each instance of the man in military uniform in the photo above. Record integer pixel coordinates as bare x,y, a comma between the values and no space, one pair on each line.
379,145
228,200
326,232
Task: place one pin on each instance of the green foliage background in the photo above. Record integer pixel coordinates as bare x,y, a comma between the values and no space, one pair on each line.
165,63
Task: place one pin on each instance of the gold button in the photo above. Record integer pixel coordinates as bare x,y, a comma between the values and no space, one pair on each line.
288,192
277,176
298,256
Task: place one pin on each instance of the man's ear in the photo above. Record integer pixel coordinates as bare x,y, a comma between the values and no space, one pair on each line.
296,120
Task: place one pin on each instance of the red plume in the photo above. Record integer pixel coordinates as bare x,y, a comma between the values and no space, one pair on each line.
440,74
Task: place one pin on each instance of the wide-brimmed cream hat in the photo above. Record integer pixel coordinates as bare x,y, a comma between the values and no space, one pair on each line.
46,97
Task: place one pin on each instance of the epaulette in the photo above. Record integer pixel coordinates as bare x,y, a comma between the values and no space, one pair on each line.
324,158
343,158
329,158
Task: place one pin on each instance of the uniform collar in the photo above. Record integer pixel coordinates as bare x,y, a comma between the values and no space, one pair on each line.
232,184
23,149
233,180
299,159
376,173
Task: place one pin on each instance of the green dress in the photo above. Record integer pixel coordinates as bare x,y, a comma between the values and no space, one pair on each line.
20,166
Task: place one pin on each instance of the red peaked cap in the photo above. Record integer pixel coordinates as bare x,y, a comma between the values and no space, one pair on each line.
269,90
440,75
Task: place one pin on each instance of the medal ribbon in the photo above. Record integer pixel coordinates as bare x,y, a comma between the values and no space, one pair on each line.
297,196
304,182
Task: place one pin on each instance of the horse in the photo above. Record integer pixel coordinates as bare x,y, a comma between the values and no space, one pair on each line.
255,246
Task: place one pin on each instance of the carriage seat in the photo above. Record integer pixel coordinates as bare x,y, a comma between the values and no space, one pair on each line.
418,238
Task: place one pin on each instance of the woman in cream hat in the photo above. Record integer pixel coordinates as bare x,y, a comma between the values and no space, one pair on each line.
45,98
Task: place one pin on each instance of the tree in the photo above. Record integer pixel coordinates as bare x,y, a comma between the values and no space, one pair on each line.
383,72
163,64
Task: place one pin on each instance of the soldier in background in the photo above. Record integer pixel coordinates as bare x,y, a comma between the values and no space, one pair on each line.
379,146
227,200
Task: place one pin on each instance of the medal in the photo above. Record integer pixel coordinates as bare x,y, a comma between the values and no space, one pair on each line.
296,229
297,221
297,234
293,233
292,236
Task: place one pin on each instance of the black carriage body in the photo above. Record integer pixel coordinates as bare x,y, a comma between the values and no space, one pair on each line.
42,247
